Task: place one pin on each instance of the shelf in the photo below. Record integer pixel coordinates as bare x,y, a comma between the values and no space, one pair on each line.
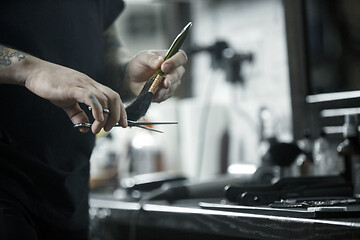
336,96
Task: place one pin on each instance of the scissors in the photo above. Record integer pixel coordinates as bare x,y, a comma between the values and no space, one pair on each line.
142,125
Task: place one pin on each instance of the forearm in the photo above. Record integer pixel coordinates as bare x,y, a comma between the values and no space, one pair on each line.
116,59
64,87
14,66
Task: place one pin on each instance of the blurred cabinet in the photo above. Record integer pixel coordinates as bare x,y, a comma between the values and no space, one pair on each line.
323,52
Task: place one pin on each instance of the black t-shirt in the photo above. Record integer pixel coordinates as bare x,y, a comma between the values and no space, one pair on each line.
44,161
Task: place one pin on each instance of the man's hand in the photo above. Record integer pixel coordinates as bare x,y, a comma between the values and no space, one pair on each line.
65,88
140,68
143,65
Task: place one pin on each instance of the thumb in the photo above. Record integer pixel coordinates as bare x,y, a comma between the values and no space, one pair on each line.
77,115
150,59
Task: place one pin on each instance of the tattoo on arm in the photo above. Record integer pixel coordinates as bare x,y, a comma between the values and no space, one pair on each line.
7,56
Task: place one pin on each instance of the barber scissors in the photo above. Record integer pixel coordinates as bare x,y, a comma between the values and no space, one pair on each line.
138,124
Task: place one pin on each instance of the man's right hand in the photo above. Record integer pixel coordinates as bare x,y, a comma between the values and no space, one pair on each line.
65,88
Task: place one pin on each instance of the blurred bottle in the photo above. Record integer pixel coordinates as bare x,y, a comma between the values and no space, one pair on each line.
145,152
270,171
324,163
224,151
267,134
304,162
104,162
350,150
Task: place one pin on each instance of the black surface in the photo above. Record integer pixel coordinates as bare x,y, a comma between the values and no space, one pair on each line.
311,212
187,220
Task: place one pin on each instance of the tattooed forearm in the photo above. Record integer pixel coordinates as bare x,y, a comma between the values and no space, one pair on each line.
7,56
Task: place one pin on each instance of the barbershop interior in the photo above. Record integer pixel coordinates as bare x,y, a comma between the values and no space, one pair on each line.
260,141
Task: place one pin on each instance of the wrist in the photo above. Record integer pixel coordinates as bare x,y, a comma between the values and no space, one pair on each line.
15,66
127,89
126,85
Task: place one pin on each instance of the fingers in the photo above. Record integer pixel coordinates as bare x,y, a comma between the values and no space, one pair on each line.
178,60
151,59
173,68
117,110
77,115
123,120
173,77
162,94
90,98
66,88
99,99
170,84
112,103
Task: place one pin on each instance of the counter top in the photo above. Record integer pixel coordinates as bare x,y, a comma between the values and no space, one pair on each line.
196,219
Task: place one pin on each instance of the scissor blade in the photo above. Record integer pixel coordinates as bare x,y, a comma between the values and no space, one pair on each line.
88,125
150,129
133,123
